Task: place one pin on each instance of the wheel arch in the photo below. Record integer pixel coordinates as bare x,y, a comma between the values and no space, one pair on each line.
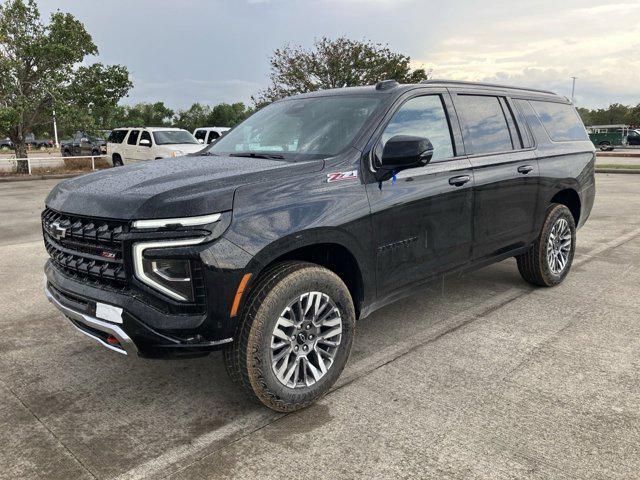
570,199
339,257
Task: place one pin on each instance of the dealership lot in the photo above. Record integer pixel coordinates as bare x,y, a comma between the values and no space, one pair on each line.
476,376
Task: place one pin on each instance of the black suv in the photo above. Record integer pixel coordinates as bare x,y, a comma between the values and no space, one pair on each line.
311,214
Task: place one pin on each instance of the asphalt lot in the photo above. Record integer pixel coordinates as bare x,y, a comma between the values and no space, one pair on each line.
480,376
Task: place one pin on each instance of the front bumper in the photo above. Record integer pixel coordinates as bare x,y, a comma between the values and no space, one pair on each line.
95,328
123,329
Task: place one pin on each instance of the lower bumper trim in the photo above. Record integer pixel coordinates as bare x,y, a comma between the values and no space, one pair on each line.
93,324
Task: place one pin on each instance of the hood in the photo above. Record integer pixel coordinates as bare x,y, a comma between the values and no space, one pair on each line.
183,147
167,188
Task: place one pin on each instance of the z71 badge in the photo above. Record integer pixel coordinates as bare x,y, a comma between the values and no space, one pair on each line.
336,177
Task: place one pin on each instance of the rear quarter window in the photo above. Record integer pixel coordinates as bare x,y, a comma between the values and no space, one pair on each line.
117,136
560,120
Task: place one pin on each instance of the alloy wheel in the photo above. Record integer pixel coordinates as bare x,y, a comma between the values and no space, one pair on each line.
559,246
305,340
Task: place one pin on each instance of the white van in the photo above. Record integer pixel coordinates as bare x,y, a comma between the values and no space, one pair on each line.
134,144
207,135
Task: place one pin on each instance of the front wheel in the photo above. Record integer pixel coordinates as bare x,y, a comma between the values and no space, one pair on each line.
294,337
549,259
605,146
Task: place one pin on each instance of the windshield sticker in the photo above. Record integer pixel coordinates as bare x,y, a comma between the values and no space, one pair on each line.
337,176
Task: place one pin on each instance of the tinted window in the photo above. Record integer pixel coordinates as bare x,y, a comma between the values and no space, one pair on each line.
560,120
213,136
200,134
423,117
133,137
485,123
117,136
146,136
523,128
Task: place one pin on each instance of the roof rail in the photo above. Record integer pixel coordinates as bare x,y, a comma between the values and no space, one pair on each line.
386,84
494,85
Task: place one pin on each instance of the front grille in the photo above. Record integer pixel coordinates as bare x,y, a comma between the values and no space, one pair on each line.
88,248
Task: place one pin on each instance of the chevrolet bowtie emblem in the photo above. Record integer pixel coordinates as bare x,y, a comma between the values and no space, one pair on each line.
58,232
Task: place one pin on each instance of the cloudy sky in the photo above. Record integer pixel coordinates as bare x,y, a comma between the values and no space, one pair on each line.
212,51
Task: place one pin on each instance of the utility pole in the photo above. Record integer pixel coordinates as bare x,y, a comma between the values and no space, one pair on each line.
573,90
55,129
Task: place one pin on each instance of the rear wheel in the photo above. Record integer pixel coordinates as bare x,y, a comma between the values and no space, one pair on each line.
117,160
294,336
549,259
605,146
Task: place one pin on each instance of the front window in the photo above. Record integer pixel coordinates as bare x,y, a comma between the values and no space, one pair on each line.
173,137
316,126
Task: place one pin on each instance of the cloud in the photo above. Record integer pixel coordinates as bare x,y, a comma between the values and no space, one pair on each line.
541,51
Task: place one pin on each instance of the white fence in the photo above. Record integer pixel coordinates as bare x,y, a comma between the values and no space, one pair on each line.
10,164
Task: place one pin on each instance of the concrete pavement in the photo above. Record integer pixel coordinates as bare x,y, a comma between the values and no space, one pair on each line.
480,376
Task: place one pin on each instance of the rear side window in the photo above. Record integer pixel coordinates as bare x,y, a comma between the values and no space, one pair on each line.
485,124
560,120
133,137
200,134
117,136
423,117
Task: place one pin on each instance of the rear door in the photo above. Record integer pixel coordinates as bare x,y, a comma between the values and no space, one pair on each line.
505,171
422,221
130,150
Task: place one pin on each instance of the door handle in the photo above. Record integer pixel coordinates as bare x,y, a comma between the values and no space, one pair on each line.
524,169
459,181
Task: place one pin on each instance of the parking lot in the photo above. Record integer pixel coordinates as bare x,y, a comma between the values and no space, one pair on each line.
478,376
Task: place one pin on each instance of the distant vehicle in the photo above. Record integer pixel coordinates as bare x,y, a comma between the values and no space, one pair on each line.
134,144
83,144
6,143
607,137
207,135
34,142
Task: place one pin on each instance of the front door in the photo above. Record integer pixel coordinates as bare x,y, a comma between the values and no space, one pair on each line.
422,221
505,171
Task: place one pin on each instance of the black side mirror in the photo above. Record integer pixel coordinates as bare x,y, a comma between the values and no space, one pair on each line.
406,151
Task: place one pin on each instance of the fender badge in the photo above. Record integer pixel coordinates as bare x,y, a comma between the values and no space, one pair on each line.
338,176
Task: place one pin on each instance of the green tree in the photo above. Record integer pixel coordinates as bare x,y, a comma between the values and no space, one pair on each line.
334,63
193,117
221,115
147,114
39,71
227,115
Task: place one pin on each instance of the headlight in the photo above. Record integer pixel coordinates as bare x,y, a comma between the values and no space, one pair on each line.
171,276
177,153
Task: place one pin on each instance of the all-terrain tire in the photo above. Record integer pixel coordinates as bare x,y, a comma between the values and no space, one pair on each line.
534,265
117,160
248,360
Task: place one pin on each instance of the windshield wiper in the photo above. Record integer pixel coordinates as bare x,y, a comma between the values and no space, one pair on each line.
257,155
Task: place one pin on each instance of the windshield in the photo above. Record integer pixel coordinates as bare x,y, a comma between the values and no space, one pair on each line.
318,126
169,137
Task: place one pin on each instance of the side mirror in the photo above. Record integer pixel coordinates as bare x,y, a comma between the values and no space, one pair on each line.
406,151
200,140
145,143
84,140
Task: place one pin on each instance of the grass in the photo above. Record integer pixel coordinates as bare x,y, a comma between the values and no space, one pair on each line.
618,166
